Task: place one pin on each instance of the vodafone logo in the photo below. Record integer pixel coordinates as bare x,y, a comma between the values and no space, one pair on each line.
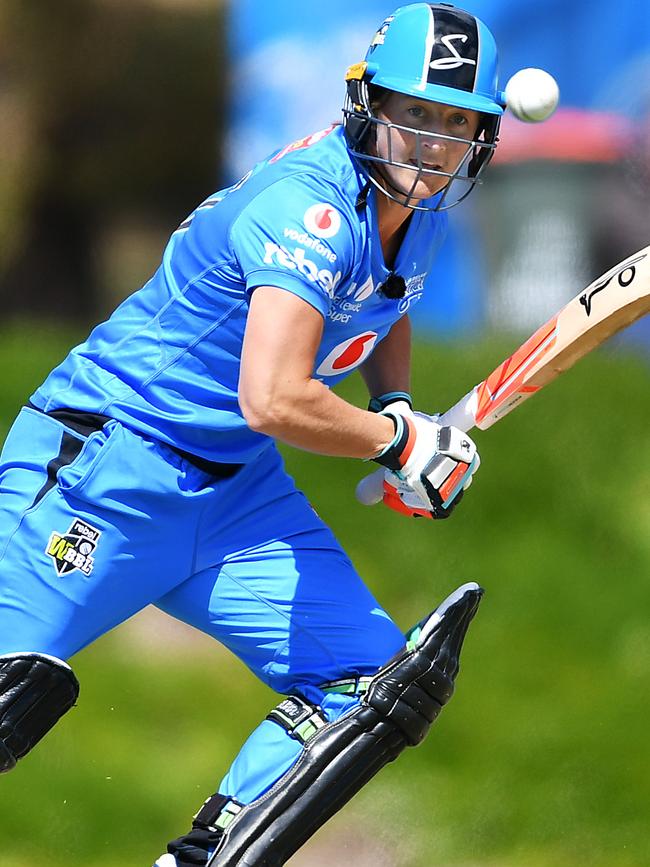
348,354
322,220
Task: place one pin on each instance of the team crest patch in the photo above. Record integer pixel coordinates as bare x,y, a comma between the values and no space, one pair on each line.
74,549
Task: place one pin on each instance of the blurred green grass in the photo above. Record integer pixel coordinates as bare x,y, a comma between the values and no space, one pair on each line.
543,756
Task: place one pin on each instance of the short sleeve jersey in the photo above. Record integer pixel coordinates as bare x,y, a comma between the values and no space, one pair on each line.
166,363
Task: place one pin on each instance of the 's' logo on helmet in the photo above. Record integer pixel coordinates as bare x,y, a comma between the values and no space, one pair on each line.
454,60
322,220
348,354
455,49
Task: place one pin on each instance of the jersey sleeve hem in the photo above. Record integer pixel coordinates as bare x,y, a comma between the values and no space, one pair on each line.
293,284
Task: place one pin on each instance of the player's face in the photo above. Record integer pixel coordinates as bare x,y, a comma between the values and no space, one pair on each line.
430,146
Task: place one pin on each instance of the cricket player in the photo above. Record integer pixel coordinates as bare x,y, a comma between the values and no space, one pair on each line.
162,426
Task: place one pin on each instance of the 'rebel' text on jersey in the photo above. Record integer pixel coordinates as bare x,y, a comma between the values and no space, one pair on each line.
166,363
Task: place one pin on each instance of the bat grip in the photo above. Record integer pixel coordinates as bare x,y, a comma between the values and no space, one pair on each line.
370,489
462,414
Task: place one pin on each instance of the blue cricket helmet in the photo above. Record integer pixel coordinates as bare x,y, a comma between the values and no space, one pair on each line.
436,52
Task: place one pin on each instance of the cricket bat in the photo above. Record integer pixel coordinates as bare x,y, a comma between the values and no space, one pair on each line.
605,307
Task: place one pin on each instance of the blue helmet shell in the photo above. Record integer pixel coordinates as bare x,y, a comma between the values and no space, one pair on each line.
437,52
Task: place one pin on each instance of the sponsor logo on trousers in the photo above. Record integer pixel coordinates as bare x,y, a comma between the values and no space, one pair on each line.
74,549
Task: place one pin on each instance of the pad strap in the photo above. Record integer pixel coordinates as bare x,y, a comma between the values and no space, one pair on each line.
348,686
299,718
217,813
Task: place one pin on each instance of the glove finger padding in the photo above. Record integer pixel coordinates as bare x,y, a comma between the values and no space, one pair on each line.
449,472
431,465
400,497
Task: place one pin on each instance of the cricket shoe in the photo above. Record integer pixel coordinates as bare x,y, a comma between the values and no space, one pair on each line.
168,860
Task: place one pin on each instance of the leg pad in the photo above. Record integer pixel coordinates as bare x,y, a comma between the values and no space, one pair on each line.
404,697
35,691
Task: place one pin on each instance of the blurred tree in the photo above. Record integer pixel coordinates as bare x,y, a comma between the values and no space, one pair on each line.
116,109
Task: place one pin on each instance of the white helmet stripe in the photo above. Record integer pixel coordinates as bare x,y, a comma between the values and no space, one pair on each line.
428,48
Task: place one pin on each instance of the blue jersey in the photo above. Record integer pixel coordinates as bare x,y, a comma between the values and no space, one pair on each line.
167,361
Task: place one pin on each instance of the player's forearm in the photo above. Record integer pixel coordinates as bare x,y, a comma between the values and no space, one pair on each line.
315,419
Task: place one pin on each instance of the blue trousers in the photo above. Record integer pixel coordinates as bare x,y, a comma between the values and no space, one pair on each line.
92,529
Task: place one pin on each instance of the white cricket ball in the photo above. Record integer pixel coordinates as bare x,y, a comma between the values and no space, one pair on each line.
532,95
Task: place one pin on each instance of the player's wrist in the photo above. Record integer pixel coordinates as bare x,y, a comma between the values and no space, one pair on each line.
379,402
395,452
386,437
394,405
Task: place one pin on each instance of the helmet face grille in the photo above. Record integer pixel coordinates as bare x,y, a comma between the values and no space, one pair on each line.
437,53
361,125
453,61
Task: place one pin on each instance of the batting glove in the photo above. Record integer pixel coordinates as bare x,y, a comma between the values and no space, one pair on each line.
425,459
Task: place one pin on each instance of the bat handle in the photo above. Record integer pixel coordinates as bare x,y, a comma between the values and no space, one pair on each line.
370,489
462,414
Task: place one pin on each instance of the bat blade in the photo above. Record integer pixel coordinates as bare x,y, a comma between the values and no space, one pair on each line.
607,306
